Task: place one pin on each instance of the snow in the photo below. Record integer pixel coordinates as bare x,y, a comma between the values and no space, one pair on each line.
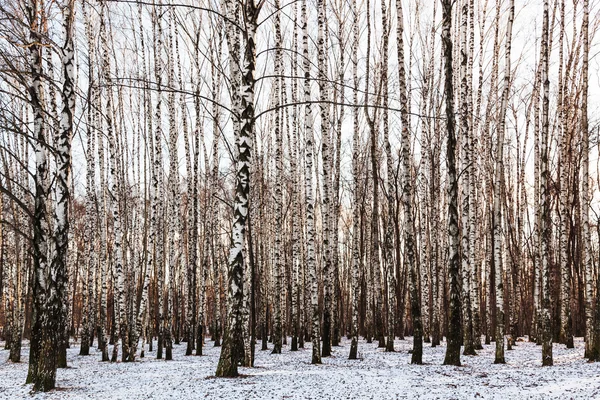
377,375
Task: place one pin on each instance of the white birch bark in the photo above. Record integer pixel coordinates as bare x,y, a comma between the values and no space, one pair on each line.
592,341
41,375
356,184
232,349
465,183
278,263
90,206
545,195
498,191
311,262
407,194
453,350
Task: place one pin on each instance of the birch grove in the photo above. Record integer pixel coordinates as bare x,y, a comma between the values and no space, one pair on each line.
297,173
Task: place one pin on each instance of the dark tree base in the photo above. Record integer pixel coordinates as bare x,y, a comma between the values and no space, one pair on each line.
353,350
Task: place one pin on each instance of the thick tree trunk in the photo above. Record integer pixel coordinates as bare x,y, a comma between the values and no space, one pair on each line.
45,325
232,351
453,350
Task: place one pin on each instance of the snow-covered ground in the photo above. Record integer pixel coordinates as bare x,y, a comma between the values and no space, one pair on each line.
378,375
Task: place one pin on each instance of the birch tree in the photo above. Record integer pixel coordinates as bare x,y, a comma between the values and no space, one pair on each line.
592,341
545,206
498,185
409,237
356,182
453,350
311,262
232,350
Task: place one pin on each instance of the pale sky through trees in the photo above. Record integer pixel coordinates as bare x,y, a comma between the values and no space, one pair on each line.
525,40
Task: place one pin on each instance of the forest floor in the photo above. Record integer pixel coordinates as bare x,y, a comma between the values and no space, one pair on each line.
377,375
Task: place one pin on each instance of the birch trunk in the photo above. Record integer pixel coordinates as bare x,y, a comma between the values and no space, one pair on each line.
592,341
311,262
232,350
91,214
278,261
465,183
356,185
119,289
498,190
453,350
42,355
545,195
409,240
